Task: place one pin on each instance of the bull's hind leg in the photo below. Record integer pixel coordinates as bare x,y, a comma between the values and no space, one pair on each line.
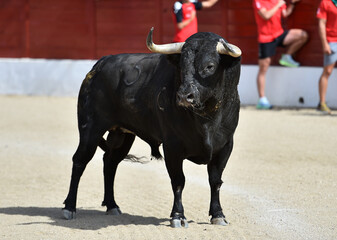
215,169
89,139
119,145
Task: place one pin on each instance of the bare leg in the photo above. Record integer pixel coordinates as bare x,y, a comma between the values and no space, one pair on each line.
261,76
295,39
323,82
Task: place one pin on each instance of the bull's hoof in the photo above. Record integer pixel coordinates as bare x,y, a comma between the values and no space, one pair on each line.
68,214
178,223
114,211
219,221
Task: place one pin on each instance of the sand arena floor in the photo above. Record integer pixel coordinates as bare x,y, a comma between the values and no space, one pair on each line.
280,182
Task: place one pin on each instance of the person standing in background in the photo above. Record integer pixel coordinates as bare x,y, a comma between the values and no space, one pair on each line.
327,29
268,16
185,19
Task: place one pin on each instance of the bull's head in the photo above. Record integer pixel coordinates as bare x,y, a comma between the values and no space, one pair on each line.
209,66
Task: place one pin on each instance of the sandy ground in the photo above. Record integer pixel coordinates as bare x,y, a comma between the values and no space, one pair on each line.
280,183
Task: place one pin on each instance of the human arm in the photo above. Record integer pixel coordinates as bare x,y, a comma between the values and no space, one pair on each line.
208,3
289,10
184,23
267,14
322,34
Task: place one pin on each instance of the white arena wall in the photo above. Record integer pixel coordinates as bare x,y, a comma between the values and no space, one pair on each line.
284,86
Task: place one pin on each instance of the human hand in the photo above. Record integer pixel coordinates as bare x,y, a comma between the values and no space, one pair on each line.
280,3
327,49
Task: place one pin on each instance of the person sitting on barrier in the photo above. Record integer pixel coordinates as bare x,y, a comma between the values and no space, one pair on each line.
268,15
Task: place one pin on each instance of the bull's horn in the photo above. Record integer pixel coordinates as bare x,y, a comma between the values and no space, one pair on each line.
229,49
170,48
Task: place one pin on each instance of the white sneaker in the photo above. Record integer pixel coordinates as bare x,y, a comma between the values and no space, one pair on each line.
263,104
287,61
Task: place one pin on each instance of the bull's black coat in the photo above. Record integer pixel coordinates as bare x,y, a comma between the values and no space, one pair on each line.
188,102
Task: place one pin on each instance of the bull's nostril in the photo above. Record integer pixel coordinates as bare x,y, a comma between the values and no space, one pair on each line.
190,98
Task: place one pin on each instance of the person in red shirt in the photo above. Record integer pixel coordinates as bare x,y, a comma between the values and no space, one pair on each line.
185,19
327,29
268,16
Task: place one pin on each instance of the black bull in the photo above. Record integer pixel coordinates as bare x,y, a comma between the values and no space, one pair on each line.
185,98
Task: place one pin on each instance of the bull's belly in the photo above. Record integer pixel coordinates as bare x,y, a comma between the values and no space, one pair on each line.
199,160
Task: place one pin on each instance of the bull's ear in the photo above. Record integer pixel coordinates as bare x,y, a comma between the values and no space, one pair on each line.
174,59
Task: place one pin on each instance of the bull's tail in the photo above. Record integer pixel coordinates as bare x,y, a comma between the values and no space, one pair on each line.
103,144
154,152
134,158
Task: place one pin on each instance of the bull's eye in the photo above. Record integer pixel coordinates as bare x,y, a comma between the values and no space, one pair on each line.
208,70
210,67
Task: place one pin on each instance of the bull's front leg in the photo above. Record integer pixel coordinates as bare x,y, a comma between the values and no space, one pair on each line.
175,170
215,169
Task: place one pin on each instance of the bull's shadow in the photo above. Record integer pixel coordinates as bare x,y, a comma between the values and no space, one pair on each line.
87,219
